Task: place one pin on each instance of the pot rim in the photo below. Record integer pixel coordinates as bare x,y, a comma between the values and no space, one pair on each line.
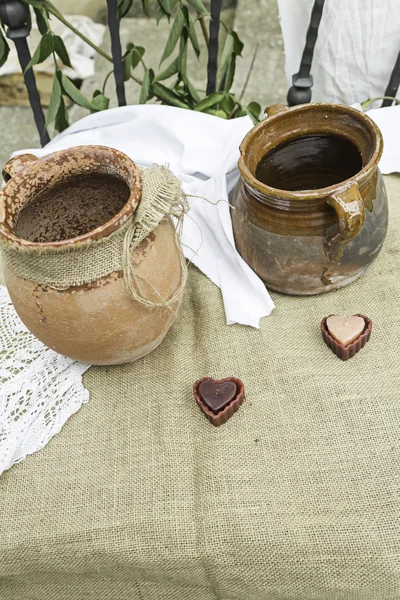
365,172
95,234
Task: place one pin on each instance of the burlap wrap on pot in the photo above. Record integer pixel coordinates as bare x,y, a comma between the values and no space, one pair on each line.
297,497
62,267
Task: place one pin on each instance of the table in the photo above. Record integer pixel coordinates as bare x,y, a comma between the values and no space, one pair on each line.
295,498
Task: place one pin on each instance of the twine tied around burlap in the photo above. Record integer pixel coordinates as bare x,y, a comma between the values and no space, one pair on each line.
63,267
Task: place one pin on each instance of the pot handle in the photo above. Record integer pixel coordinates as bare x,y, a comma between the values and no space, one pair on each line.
274,109
16,165
350,211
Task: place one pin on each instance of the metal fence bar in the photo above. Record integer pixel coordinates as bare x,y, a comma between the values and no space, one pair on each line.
300,92
116,50
216,6
15,15
393,84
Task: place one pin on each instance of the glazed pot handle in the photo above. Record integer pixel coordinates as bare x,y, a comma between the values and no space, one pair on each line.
350,211
274,109
16,165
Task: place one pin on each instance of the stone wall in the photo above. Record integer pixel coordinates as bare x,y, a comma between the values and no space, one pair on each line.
97,9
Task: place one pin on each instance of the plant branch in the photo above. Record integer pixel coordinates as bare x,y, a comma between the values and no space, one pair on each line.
159,94
203,26
234,110
246,82
366,103
106,80
238,102
53,10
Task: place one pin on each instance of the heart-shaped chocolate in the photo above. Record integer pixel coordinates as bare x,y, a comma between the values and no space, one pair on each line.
216,395
345,336
345,330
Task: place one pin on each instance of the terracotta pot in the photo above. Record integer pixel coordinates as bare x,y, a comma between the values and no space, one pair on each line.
64,199
310,208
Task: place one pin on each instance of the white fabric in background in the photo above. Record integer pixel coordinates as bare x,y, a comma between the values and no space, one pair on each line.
81,55
39,389
356,50
202,151
388,120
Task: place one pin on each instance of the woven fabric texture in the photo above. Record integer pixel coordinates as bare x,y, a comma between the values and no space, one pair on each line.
296,497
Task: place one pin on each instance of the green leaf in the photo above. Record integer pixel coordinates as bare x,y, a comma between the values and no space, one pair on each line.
228,103
192,95
222,114
230,73
41,21
168,71
254,109
4,49
168,96
237,44
60,49
209,101
183,56
131,59
199,6
245,111
43,51
123,7
175,34
62,121
146,92
165,5
55,101
160,15
192,90
76,96
241,113
35,3
233,47
146,9
191,31
127,63
100,101
137,55
226,52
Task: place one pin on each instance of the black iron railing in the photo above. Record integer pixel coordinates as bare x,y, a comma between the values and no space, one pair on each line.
300,92
393,85
216,6
15,15
116,51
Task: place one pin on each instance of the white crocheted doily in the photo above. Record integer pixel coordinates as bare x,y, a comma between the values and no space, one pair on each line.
39,389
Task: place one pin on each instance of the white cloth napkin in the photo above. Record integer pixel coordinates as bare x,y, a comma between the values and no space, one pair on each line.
388,121
202,151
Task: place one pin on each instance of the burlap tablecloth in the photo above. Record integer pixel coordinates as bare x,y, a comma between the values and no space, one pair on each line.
295,498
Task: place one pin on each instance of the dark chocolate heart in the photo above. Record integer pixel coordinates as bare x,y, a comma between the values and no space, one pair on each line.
216,395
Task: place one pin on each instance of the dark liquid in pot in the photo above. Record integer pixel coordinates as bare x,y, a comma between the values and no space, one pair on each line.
72,208
309,162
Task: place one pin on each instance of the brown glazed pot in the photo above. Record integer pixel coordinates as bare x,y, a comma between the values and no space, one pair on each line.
310,209
96,323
